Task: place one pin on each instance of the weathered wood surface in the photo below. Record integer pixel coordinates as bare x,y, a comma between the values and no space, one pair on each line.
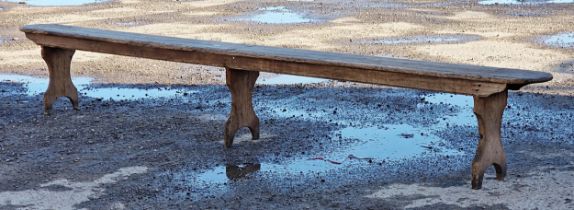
488,111
455,78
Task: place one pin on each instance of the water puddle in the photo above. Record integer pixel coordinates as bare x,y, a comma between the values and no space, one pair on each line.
497,2
451,99
290,80
561,40
367,146
463,117
374,145
370,144
35,86
277,15
425,39
56,2
7,39
393,142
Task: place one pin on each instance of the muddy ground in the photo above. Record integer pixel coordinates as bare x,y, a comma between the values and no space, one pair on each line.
324,145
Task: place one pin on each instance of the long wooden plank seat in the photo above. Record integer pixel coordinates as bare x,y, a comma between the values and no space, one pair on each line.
488,85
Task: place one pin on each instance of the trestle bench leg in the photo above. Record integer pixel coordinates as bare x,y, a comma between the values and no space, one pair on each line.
241,85
488,111
58,61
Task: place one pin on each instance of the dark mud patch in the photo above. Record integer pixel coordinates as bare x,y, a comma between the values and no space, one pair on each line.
424,39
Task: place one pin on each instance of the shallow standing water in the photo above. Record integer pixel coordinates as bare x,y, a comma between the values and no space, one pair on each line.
36,85
285,79
371,144
561,40
278,15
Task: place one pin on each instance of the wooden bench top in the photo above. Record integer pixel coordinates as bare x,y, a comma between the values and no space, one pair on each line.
480,80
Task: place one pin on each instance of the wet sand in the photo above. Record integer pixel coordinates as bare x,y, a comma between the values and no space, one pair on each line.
325,144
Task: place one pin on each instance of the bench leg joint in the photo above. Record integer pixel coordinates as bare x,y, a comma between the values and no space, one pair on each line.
241,85
489,111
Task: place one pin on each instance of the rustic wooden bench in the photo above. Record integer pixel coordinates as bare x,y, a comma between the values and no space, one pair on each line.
488,85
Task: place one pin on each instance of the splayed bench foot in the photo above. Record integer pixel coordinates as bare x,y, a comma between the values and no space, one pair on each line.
241,85
488,111
59,61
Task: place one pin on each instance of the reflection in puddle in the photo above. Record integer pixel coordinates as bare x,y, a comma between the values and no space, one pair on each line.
235,172
56,2
496,2
37,86
222,174
425,39
278,15
562,40
290,80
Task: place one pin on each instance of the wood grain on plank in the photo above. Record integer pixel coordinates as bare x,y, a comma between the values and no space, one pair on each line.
453,85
